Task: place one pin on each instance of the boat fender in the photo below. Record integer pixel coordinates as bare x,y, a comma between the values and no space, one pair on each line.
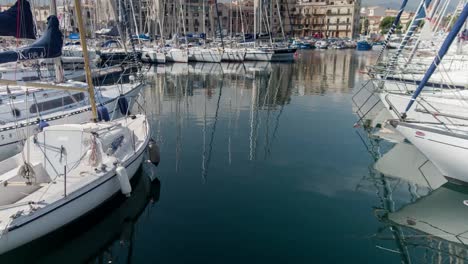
42,124
103,113
123,105
153,152
124,181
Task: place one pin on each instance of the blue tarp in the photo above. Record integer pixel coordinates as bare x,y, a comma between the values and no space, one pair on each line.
74,36
141,36
48,46
18,21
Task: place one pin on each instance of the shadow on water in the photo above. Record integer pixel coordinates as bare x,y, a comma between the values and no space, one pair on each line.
103,236
422,216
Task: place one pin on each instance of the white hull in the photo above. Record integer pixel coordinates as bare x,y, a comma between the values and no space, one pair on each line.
55,213
447,151
10,137
67,210
153,57
234,55
258,55
177,55
205,55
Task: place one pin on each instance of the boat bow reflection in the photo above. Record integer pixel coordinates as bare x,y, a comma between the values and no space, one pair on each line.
425,216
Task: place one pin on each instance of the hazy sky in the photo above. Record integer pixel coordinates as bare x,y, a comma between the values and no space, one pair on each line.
412,4
364,2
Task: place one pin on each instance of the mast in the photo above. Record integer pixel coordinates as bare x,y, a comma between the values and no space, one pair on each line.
230,21
89,78
443,50
204,18
255,21
280,20
425,31
182,11
242,21
396,21
420,15
219,24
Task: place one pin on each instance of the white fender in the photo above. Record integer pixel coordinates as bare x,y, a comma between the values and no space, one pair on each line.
125,186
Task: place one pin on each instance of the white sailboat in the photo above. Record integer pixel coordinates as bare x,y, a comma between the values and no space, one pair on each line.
234,54
203,54
445,144
270,52
66,171
153,55
25,115
177,55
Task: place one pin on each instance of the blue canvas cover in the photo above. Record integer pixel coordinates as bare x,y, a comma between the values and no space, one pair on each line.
17,21
48,46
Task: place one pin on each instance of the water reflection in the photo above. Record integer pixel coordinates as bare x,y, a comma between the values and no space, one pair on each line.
222,96
423,214
105,236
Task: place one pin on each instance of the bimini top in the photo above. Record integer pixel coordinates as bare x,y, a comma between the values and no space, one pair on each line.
17,21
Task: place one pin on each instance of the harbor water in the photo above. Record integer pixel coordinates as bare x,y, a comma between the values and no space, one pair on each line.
260,163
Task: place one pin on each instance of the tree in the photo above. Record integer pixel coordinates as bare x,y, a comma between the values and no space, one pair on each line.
386,24
419,25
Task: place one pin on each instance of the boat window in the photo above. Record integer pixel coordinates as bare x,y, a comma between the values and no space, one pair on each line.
59,102
15,112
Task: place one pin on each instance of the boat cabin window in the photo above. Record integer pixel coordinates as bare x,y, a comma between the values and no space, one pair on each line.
56,103
15,112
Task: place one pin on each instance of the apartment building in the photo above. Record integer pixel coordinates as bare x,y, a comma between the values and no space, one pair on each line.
327,18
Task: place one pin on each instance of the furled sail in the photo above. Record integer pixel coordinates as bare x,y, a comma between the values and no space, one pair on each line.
17,21
48,46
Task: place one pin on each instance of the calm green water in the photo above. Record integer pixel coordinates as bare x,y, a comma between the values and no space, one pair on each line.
260,164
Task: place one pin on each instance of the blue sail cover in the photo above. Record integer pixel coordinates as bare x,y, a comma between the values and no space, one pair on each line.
18,21
48,46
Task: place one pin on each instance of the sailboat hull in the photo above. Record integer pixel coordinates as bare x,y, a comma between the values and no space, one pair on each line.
205,55
277,54
448,151
258,55
153,57
177,55
11,137
233,55
111,58
68,209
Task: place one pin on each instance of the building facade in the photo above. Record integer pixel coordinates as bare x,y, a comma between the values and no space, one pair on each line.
327,18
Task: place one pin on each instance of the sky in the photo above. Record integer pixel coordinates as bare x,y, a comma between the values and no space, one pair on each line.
385,3
412,4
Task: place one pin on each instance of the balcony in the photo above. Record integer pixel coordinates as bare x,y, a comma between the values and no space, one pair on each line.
330,13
